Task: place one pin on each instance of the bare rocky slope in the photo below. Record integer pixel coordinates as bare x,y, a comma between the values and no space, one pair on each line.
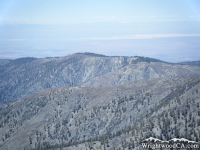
96,102
28,75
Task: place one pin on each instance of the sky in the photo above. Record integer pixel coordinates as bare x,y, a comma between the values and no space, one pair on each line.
167,30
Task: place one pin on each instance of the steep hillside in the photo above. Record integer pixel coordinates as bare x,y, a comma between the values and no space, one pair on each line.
4,62
192,63
143,70
111,117
28,75
90,101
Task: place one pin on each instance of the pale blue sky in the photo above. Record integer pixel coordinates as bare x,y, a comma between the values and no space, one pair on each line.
167,30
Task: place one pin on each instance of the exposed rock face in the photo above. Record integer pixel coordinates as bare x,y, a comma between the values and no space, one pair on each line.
90,101
143,70
28,75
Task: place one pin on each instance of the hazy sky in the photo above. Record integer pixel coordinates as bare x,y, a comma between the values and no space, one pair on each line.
168,30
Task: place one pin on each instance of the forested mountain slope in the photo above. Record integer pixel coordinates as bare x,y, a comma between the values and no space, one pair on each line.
90,101
117,116
28,75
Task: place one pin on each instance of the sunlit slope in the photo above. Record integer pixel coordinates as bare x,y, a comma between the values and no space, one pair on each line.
28,75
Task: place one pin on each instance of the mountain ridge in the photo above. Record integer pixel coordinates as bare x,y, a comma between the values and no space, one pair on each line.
91,101
28,75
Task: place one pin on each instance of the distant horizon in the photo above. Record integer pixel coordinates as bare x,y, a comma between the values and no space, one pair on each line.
165,30
93,53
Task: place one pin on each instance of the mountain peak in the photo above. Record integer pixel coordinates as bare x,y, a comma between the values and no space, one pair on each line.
92,54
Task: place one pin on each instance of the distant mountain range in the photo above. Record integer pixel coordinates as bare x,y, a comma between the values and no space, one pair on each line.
91,101
24,76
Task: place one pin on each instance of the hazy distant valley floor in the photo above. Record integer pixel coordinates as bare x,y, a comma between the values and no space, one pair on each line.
91,101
